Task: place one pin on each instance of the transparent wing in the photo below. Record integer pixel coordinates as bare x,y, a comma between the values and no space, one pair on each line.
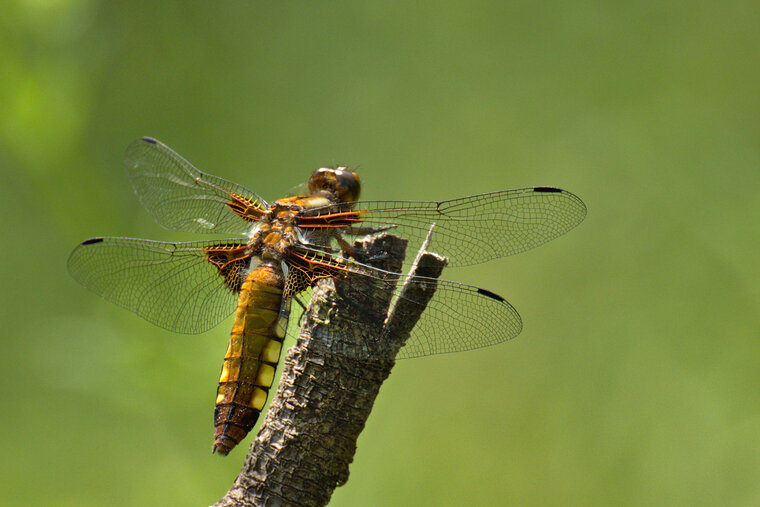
183,198
458,317
469,230
182,287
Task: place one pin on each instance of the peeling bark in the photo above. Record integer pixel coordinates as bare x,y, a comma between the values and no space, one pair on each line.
308,438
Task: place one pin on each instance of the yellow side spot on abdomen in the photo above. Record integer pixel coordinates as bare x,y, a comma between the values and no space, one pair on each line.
258,398
265,376
271,352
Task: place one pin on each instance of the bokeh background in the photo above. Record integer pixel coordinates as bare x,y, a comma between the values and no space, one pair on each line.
635,380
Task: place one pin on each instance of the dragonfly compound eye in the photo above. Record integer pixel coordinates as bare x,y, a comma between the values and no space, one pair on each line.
343,184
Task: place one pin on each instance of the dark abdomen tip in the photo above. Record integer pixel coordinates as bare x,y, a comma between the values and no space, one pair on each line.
222,449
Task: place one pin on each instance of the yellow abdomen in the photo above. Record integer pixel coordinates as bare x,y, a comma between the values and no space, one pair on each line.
252,356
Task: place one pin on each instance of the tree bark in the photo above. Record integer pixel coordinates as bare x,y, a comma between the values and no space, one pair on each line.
308,438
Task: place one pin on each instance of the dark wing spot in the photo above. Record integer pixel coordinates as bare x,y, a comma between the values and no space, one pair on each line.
149,140
92,241
548,189
490,294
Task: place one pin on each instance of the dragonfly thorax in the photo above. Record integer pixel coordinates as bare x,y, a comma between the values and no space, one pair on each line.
276,233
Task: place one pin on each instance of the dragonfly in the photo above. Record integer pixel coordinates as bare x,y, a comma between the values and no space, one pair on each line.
282,248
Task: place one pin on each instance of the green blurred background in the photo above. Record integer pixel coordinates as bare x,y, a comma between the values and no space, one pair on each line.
635,380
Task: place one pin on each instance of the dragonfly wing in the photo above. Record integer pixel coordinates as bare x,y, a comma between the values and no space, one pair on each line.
183,198
182,287
458,317
469,230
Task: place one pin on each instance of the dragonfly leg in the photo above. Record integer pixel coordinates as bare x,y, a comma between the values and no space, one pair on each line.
300,303
362,231
303,314
345,246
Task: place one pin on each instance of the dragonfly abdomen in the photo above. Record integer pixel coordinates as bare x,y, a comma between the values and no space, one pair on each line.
252,356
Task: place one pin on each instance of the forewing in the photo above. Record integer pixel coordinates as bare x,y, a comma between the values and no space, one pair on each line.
469,230
183,198
182,287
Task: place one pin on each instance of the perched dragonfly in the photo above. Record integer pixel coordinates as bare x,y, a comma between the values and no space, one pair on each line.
285,247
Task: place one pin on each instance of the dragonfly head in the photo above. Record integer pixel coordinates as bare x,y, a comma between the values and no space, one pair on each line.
335,183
